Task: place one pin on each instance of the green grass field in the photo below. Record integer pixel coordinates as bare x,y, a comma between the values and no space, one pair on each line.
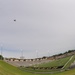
65,62
7,69
58,62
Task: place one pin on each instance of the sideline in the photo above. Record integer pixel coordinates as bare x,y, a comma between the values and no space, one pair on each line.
67,62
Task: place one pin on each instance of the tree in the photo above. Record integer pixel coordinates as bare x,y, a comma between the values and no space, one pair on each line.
1,57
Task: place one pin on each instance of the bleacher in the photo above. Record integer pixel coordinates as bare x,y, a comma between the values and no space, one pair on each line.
25,63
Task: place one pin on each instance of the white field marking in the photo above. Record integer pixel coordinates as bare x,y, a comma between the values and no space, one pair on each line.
68,61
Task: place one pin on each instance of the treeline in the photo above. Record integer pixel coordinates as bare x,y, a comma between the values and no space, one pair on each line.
69,51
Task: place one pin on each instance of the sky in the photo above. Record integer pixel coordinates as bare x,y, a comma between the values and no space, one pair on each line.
42,27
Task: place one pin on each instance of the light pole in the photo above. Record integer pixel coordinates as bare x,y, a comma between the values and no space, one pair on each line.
22,54
1,50
36,53
48,53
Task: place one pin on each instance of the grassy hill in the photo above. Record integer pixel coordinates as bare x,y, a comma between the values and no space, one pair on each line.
6,69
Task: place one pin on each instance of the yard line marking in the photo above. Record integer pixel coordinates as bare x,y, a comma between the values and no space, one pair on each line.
68,61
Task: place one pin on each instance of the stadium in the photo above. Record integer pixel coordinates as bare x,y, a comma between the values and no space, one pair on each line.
52,65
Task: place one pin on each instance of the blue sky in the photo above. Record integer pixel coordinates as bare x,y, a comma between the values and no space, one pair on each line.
47,26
